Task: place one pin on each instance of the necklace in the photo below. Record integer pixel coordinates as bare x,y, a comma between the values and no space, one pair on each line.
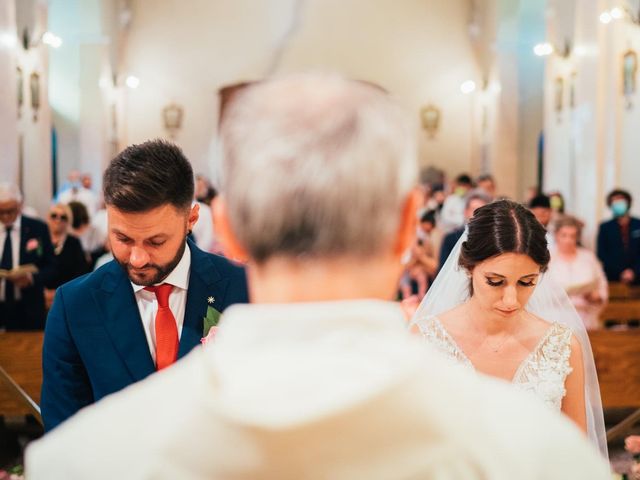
495,349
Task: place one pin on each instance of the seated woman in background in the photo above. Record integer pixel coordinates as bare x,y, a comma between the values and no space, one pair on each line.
91,238
70,261
578,271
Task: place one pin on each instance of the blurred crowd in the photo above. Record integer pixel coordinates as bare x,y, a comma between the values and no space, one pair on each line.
77,227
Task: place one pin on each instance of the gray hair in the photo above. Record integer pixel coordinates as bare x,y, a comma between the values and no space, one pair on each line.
476,194
316,166
10,191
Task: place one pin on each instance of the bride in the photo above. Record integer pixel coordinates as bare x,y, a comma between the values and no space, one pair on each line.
492,309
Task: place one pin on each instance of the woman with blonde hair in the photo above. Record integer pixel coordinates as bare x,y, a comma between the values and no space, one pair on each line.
578,271
69,260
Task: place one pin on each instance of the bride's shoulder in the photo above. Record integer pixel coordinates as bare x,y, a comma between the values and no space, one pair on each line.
552,330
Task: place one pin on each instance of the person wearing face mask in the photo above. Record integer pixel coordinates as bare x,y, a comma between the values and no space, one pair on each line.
619,240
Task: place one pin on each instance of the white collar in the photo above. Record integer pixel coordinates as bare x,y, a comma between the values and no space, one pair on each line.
179,276
16,225
356,348
246,323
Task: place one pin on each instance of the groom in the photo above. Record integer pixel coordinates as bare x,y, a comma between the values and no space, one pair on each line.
318,378
144,310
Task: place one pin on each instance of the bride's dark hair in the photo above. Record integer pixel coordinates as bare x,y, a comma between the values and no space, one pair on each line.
503,227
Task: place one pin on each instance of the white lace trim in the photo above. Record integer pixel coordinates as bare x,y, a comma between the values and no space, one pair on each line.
543,372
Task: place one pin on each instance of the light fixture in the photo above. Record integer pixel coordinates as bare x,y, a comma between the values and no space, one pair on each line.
495,87
605,17
51,39
132,81
468,87
616,13
619,13
8,40
47,38
543,49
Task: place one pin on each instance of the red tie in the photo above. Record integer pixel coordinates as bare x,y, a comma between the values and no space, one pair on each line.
166,328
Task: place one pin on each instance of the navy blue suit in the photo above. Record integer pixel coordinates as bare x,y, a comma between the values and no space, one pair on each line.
95,344
29,313
611,250
448,243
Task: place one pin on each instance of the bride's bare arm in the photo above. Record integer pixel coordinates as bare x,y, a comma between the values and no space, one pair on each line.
573,404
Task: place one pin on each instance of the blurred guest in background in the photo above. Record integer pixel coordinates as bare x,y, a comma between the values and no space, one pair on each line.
452,215
25,243
204,192
77,192
619,240
69,261
487,184
474,200
578,271
91,238
540,206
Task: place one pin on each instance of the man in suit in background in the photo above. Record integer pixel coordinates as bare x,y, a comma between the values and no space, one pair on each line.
474,200
319,376
619,240
24,241
146,308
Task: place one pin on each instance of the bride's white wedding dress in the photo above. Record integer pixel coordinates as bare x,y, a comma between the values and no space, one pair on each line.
543,371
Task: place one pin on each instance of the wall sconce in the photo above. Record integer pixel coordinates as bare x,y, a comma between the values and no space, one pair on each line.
34,87
546,48
47,38
430,118
172,116
619,13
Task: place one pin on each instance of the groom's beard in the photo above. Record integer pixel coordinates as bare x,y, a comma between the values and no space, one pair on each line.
153,273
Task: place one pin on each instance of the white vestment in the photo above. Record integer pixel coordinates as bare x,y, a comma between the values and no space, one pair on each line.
315,391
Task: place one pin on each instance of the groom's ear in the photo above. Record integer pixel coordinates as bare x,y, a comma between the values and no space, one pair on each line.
408,221
222,226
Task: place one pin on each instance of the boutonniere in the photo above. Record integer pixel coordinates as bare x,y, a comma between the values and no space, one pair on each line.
34,244
210,323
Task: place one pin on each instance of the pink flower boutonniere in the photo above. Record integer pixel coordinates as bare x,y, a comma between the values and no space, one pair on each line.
632,445
210,322
210,336
33,244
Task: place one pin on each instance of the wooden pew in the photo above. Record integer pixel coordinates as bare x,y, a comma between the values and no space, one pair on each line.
623,291
617,357
621,312
20,373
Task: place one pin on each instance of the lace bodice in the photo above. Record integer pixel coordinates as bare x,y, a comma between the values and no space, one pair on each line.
542,373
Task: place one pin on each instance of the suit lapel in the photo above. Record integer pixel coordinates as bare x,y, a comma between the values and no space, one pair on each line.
204,282
24,233
123,323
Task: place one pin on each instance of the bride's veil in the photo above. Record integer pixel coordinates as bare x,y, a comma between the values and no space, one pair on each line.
451,288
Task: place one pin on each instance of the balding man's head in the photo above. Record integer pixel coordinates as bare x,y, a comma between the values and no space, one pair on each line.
316,166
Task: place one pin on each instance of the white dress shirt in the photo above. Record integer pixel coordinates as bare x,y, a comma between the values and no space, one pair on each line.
148,303
15,247
335,390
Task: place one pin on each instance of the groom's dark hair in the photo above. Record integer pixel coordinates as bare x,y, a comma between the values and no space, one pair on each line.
502,227
148,175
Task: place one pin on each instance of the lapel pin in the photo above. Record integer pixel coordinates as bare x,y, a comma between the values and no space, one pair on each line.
211,300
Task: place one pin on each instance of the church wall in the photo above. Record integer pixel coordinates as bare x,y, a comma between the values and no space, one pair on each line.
8,97
418,50
592,146
34,124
